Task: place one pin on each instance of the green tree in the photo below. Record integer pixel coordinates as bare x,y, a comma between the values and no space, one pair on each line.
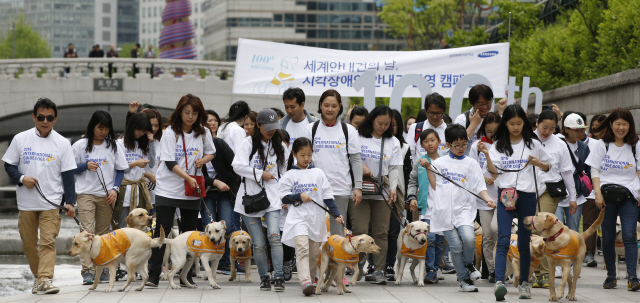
28,43
126,48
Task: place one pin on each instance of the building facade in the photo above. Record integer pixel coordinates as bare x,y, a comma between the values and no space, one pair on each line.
345,25
128,21
150,23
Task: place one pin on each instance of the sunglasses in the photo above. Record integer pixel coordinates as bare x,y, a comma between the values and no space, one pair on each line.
49,118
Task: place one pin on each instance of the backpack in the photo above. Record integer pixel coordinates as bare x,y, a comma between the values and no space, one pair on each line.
466,117
346,136
419,127
633,149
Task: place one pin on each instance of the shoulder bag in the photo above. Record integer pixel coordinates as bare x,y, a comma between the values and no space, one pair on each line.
188,190
371,186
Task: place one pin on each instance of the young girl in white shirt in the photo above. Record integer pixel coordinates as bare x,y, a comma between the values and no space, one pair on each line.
231,130
305,227
516,149
454,209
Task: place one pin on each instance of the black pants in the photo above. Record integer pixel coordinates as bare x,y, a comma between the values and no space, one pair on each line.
392,236
288,252
164,219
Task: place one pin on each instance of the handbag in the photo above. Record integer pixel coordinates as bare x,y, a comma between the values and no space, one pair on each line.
583,183
615,193
188,190
557,189
257,202
509,196
371,186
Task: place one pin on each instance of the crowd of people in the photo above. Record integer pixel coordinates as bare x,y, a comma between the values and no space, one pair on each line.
450,174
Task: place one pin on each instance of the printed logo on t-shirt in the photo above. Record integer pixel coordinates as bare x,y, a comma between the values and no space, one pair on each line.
482,160
365,152
258,164
332,146
191,151
131,156
99,161
512,164
299,188
607,164
462,178
42,159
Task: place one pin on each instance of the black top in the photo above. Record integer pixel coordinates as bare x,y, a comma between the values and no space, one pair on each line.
222,165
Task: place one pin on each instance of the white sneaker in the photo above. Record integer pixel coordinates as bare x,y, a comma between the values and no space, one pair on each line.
524,291
439,274
46,287
467,286
474,274
558,272
34,290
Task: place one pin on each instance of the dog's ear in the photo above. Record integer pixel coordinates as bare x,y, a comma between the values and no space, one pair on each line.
224,224
128,219
409,227
206,229
548,222
428,228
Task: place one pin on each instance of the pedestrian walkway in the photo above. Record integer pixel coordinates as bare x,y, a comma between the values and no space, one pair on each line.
589,290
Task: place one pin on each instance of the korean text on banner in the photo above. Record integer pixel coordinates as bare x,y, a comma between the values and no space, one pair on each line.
270,68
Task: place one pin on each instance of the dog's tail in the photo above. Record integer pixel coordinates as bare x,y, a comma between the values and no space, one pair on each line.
592,229
158,242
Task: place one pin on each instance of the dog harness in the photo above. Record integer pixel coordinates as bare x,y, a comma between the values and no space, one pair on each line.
241,256
114,245
479,245
335,251
420,253
514,253
568,252
198,242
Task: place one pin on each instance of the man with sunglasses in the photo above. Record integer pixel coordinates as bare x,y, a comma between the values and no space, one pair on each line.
41,162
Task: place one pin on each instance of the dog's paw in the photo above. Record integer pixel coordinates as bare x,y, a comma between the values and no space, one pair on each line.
248,280
214,286
176,287
553,299
340,292
121,289
347,290
415,281
397,282
420,283
231,279
572,298
192,286
92,288
202,275
107,290
139,288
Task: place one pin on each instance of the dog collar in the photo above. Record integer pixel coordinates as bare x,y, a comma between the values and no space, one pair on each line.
555,236
349,236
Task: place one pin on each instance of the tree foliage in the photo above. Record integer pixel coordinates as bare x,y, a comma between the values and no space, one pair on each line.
28,43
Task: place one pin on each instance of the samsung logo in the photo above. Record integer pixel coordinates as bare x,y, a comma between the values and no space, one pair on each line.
488,54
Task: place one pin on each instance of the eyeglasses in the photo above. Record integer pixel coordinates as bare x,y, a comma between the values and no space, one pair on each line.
49,118
432,114
484,105
459,147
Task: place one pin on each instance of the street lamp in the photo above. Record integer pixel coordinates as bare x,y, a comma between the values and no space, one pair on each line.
13,33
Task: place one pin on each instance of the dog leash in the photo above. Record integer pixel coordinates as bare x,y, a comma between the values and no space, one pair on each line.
401,219
103,183
297,203
453,182
204,204
37,186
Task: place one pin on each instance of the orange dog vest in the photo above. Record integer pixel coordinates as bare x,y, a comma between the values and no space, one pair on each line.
420,253
568,252
479,245
114,245
241,256
198,242
335,251
514,253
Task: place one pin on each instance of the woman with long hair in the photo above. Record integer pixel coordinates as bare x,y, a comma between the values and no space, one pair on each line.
100,171
372,209
260,161
515,148
185,147
614,169
155,118
231,130
213,122
250,123
139,151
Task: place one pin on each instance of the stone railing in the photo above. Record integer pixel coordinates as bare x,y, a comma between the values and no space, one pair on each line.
52,68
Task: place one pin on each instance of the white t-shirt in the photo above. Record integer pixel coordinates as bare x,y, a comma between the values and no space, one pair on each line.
330,154
579,199
44,159
516,161
306,219
233,134
154,171
297,129
416,148
370,155
617,165
560,161
169,184
592,143
245,169
135,172
462,120
87,182
453,206
492,190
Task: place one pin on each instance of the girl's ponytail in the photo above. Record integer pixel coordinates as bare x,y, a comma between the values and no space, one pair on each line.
296,146
290,162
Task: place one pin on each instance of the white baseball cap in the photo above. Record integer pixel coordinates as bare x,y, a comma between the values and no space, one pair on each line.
574,121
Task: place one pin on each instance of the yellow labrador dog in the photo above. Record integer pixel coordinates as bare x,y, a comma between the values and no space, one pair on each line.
340,252
412,244
126,244
620,246
562,247
240,250
207,245
139,219
513,258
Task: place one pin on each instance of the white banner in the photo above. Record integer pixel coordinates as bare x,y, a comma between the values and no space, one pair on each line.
270,68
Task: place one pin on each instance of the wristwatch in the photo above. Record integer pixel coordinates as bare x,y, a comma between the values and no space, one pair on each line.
116,188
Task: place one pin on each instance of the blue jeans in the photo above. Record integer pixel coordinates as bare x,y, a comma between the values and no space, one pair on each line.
628,211
434,250
221,208
462,245
526,206
572,221
254,227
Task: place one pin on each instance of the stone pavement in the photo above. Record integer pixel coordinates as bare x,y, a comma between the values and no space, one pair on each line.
589,290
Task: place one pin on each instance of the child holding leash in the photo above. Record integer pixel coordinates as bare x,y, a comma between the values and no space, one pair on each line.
302,186
454,207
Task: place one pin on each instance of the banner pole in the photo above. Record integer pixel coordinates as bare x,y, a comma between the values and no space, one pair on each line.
509,31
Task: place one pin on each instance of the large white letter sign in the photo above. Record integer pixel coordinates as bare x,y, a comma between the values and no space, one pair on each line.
367,81
455,105
395,101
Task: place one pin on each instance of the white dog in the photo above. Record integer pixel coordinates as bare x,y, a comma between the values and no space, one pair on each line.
620,246
240,249
207,245
412,244
126,244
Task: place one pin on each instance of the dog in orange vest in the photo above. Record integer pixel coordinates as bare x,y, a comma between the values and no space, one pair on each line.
412,244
